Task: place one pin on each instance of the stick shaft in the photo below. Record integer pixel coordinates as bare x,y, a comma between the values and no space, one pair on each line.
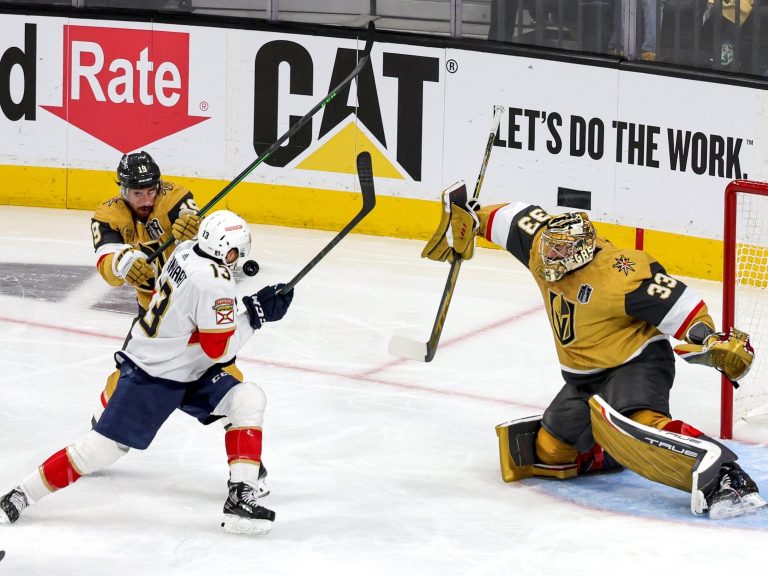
365,175
425,352
453,274
279,142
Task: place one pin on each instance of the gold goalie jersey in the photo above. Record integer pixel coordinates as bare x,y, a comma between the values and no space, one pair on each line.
115,227
605,313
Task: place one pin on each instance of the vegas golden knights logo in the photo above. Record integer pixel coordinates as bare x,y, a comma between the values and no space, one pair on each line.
562,314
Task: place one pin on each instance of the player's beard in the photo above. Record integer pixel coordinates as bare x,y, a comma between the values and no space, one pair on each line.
143,212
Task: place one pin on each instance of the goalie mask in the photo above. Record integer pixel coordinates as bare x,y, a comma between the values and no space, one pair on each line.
222,231
567,243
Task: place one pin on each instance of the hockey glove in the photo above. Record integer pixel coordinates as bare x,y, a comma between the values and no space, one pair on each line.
731,353
131,265
267,305
186,225
459,224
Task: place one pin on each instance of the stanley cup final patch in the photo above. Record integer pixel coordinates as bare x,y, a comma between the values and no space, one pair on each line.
225,310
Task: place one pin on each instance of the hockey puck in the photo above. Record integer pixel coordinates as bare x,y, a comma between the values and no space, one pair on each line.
251,268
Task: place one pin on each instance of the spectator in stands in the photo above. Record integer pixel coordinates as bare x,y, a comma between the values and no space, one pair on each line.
724,22
503,18
650,9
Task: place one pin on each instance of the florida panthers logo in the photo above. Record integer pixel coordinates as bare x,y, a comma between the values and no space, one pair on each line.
225,310
562,313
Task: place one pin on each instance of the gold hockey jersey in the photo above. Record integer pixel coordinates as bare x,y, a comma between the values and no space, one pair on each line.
605,313
114,226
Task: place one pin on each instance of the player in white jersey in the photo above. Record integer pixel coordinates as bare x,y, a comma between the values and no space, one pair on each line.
173,361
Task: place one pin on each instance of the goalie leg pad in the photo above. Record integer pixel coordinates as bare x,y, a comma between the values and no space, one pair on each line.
517,452
672,459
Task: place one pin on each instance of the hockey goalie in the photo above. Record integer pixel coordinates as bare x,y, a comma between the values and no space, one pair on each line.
612,312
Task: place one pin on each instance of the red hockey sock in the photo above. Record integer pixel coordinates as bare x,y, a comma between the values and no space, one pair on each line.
58,471
243,445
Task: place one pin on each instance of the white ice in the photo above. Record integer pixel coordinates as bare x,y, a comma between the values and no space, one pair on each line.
378,466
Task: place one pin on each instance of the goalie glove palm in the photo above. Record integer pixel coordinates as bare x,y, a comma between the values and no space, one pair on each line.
459,224
730,353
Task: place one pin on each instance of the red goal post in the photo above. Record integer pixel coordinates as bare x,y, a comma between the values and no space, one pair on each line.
745,295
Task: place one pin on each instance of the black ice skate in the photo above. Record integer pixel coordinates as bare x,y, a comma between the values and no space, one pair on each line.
734,494
242,513
12,505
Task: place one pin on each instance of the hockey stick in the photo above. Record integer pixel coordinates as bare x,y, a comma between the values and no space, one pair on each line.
364,59
365,175
425,351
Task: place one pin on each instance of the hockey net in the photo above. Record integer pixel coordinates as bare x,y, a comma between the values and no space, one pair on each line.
745,295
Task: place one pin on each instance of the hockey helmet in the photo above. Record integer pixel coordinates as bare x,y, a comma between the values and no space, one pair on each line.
567,243
222,231
137,170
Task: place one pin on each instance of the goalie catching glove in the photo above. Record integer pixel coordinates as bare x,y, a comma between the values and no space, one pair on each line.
186,225
730,353
459,224
131,265
267,305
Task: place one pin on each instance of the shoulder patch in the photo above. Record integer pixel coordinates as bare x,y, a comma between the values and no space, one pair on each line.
225,310
154,229
624,264
585,293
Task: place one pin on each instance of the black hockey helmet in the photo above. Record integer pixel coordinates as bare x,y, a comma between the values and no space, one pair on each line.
137,170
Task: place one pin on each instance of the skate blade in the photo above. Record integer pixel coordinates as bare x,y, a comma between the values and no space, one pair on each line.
232,524
750,503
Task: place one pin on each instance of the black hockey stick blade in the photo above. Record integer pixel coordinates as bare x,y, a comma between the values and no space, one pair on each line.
365,175
295,127
425,351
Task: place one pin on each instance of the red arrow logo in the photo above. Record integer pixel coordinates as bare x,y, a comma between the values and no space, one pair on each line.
128,88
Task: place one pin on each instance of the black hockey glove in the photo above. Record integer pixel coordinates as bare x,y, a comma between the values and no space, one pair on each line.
267,305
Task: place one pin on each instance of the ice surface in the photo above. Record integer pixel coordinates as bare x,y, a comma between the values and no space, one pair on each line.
377,465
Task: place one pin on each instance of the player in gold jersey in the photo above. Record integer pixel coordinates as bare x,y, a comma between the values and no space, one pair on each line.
130,227
611,312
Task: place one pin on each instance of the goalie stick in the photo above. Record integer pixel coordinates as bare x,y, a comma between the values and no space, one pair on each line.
291,131
425,351
365,175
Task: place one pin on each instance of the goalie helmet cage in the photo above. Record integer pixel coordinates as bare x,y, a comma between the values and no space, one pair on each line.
745,295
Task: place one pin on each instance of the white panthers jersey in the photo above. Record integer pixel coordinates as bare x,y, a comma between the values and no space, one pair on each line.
194,295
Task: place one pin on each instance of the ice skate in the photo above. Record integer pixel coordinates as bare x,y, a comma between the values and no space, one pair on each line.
12,505
262,490
242,513
735,494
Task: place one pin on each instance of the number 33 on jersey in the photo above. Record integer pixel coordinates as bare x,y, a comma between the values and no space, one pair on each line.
603,314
